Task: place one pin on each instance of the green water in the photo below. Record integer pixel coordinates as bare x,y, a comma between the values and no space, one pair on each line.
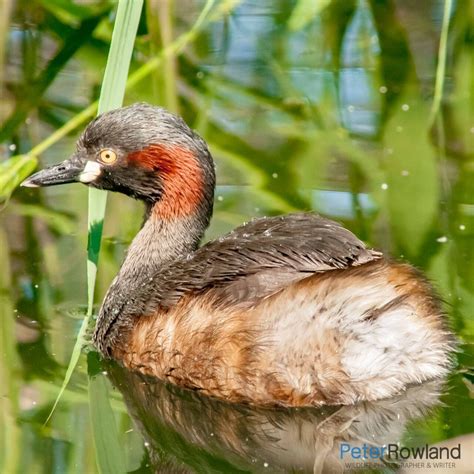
324,108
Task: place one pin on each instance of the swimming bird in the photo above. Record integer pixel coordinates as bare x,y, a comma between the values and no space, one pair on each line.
291,310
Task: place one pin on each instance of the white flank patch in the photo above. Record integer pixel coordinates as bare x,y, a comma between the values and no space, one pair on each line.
91,172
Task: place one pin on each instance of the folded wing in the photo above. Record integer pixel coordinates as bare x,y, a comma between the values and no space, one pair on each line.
261,257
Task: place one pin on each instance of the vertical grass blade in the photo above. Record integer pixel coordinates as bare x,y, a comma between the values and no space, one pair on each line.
441,67
109,456
111,96
10,367
108,452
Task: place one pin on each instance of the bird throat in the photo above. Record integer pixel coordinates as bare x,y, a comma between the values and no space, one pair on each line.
158,244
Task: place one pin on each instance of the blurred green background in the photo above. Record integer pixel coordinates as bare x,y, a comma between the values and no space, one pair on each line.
326,105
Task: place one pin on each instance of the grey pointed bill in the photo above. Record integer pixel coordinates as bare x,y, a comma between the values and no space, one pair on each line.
69,171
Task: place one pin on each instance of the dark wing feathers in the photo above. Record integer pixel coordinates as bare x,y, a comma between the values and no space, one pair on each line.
261,257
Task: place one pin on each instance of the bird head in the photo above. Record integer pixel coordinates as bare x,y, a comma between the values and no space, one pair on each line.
144,152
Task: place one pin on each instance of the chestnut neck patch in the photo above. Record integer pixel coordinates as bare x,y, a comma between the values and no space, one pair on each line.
181,176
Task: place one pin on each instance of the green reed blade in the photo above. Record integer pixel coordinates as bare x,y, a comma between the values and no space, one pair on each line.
13,172
109,455
10,435
76,353
111,96
108,452
441,67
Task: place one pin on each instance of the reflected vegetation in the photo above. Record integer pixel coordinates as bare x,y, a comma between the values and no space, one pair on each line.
305,105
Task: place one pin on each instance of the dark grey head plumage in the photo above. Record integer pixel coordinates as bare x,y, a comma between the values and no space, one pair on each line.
134,129
137,126
124,134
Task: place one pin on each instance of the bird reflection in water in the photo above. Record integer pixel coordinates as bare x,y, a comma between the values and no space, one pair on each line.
187,432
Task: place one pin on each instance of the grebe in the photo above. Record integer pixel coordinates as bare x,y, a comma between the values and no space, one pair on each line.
291,310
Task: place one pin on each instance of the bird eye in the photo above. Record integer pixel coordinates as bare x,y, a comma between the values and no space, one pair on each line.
108,156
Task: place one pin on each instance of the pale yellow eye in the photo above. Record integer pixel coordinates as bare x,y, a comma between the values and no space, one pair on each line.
108,156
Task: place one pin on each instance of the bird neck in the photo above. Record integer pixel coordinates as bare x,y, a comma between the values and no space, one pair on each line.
159,243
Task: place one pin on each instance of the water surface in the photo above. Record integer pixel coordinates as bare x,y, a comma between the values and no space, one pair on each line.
326,111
